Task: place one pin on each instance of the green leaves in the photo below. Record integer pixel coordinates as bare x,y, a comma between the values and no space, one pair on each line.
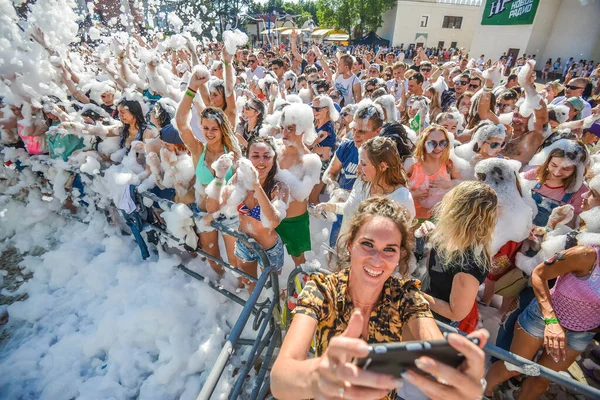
356,17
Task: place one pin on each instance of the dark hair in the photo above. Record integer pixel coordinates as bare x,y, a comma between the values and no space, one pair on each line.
260,108
278,61
135,108
370,113
417,77
270,181
396,132
508,95
321,84
310,70
162,115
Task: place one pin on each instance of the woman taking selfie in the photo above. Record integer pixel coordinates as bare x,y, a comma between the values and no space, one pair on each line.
331,310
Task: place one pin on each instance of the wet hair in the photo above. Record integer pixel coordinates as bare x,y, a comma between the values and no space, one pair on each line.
370,113
383,150
542,171
162,114
135,108
258,106
376,206
473,118
508,95
227,136
218,85
320,84
268,141
395,131
417,77
466,218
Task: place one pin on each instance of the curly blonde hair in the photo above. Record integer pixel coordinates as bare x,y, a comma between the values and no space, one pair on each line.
376,206
466,218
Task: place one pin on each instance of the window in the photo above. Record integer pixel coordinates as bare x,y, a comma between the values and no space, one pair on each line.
452,22
424,21
441,44
454,45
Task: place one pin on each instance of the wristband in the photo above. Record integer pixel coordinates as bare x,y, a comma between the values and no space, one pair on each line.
218,182
191,90
550,321
226,63
188,93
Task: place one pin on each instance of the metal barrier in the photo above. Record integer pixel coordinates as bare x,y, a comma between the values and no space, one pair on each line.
266,313
530,368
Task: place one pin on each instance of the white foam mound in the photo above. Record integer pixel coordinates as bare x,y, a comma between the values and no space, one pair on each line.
233,40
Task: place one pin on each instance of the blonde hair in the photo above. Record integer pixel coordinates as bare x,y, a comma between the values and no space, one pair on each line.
383,150
376,206
420,151
465,220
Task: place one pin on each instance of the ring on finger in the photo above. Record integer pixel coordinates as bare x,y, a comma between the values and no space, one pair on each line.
341,392
333,368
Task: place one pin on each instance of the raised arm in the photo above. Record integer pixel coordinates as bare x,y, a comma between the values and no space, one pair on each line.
182,117
295,51
71,86
231,110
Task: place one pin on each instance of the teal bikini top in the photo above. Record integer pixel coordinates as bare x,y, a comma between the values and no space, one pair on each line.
203,174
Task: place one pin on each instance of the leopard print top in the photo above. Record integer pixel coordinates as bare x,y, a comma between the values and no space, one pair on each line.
327,299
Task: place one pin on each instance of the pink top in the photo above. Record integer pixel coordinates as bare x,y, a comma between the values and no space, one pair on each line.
557,193
33,144
419,181
576,301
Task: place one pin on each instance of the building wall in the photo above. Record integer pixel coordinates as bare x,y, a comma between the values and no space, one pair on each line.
576,32
402,23
561,28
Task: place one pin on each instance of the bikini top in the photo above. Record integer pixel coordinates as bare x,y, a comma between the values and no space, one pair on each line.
254,212
203,173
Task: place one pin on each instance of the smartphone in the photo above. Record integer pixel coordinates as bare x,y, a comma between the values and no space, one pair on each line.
396,358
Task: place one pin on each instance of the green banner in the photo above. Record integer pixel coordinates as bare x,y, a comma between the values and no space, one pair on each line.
509,12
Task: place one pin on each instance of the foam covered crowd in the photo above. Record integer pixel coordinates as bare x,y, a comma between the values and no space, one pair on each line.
493,178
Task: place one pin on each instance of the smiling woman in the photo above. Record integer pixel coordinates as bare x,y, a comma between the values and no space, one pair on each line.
331,309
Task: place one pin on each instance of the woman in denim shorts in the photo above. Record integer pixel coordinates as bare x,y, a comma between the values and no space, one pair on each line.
563,319
261,209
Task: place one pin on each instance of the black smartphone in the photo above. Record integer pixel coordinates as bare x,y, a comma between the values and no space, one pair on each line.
396,358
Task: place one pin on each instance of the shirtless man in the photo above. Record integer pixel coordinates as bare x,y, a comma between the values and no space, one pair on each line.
300,170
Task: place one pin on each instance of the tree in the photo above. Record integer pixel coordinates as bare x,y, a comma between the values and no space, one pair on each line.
359,16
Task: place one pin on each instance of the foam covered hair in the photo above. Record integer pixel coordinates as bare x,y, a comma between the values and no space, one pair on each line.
302,116
576,154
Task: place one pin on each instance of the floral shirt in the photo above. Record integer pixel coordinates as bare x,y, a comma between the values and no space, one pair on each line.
327,299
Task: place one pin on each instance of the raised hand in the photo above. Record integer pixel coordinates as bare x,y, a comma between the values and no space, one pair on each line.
222,165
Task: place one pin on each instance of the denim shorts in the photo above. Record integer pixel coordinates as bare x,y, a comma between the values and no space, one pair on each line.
532,321
275,254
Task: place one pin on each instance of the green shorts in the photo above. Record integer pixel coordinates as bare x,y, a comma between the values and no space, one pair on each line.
295,233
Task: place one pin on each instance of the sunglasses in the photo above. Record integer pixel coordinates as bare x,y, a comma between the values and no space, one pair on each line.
474,86
318,108
425,69
430,145
462,83
495,145
247,107
571,87
251,61
369,90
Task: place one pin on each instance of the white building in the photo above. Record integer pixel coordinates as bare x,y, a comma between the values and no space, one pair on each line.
432,23
560,28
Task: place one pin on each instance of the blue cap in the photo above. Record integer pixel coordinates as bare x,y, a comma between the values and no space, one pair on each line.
169,134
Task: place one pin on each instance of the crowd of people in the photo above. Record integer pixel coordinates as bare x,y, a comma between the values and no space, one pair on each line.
437,178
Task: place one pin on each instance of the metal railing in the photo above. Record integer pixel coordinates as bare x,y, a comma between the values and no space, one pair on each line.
261,309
